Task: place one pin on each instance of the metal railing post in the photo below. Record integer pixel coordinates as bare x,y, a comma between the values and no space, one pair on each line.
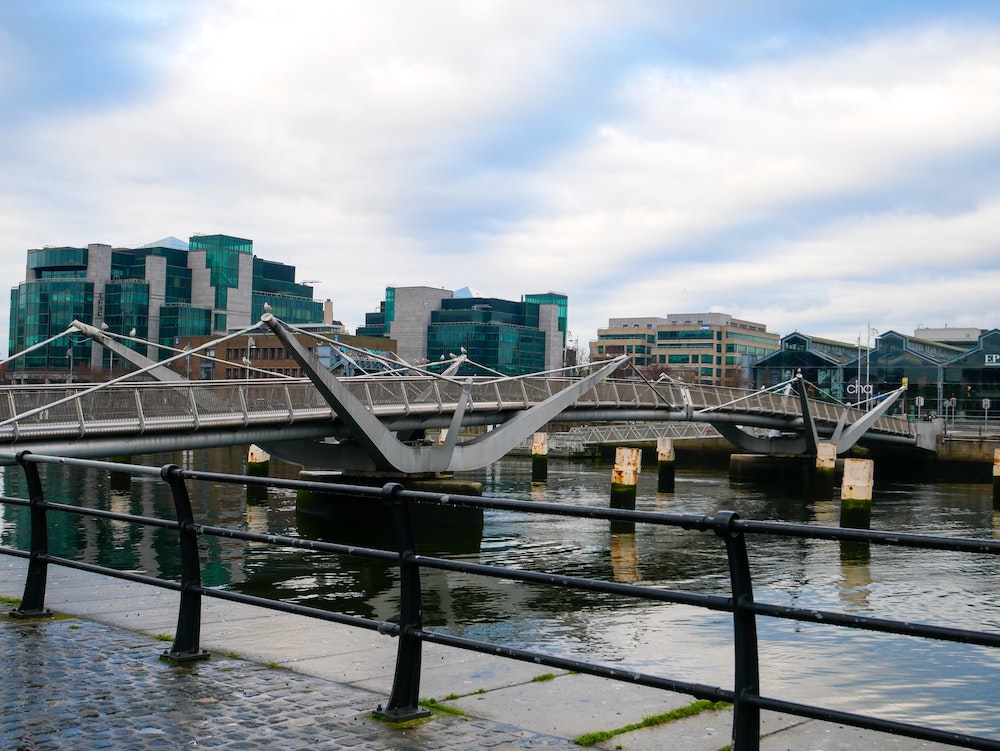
404,700
188,633
746,682
33,601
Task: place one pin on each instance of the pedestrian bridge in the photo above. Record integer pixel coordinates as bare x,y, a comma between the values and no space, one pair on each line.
380,422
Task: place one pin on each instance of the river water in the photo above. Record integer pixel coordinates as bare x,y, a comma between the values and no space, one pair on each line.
949,686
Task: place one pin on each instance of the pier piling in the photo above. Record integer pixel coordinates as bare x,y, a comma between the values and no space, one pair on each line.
540,457
856,493
665,464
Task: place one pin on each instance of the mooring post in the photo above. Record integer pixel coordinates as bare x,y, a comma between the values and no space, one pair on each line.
624,479
539,457
996,479
665,464
825,470
258,465
258,461
856,493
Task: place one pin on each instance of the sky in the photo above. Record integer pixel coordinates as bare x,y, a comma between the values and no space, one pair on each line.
829,168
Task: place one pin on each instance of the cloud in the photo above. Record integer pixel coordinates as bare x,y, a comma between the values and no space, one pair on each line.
802,170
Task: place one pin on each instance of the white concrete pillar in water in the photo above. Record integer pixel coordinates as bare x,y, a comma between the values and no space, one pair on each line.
856,493
824,471
996,479
624,479
258,461
539,457
666,463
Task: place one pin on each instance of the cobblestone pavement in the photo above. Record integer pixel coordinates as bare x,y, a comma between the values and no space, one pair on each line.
73,684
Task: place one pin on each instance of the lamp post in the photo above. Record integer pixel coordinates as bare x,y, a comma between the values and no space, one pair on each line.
868,363
187,350
248,360
858,403
69,354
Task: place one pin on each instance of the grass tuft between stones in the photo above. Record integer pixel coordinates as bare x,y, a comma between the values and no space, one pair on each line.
589,739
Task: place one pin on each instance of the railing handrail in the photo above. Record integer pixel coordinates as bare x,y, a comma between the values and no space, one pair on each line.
731,530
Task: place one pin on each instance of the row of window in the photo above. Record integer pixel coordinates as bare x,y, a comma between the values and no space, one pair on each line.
234,373
256,353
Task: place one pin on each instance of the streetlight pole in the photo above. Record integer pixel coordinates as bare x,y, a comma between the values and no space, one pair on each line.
69,354
858,404
248,360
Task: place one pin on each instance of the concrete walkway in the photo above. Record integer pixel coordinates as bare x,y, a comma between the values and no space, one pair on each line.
93,680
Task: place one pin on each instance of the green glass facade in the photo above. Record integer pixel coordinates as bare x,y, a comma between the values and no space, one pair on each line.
162,293
500,334
560,301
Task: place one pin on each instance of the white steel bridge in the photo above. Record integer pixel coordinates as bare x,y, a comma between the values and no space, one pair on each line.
377,422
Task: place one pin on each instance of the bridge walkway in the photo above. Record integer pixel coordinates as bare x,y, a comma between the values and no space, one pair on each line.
90,679
95,418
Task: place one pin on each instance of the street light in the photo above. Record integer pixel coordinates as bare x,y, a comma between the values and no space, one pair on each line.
187,350
69,354
868,360
251,344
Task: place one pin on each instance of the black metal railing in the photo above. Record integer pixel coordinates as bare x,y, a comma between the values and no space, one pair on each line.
732,531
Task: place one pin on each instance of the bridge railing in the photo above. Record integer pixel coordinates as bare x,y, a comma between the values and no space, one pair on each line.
136,408
732,533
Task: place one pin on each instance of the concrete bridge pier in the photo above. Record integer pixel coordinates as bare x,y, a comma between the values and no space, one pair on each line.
624,484
996,479
342,516
540,457
258,465
666,464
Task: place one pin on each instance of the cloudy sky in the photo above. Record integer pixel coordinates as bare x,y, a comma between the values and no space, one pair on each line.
819,167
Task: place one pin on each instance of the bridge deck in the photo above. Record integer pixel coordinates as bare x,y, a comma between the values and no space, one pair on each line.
60,412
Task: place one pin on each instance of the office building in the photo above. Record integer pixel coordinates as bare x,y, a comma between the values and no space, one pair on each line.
712,349
512,338
160,292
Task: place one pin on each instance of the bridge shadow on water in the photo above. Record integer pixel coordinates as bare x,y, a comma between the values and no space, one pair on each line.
362,520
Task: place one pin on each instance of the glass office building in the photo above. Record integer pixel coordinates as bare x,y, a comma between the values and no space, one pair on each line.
159,292
509,337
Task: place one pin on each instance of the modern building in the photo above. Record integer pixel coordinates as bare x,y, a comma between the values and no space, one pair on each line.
967,338
159,292
512,338
940,378
822,363
712,349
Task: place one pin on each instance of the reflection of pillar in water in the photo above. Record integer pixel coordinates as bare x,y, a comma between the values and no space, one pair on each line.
856,493
996,478
857,581
624,480
665,465
539,457
121,480
624,558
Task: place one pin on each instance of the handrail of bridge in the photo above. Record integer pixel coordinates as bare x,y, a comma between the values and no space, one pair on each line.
731,531
73,411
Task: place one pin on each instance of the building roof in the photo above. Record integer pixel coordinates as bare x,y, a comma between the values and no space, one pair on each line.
171,242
